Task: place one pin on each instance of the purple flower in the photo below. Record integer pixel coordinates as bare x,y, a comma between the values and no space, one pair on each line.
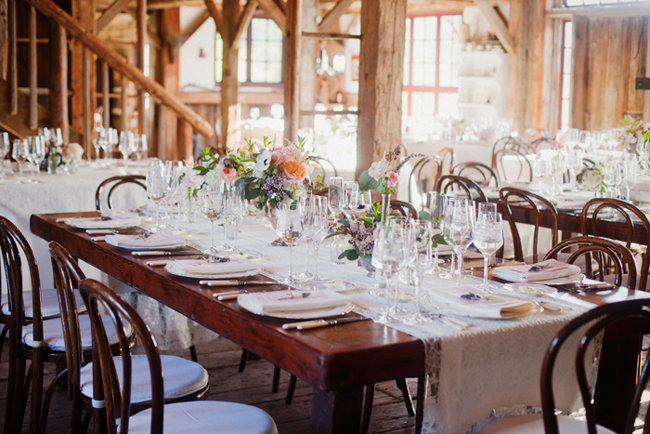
272,187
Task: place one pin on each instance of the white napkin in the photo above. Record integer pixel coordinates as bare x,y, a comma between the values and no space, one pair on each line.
202,267
467,300
107,221
272,303
542,271
152,241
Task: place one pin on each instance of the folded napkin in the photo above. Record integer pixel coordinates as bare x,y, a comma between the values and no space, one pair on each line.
278,302
106,221
152,241
468,301
542,271
199,267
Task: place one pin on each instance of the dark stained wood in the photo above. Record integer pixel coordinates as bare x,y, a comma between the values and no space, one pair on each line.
380,79
291,70
33,71
111,12
12,72
124,104
105,95
170,28
321,35
141,30
336,359
59,80
18,123
88,106
346,418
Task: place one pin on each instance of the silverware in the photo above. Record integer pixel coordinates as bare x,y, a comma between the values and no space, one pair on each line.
165,252
317,323
228,295
236,282
302,295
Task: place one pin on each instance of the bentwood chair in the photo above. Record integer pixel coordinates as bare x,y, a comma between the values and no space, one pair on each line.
185,380
424,174
107,188
461,184
618,325
323,167
537,208
115,396
403,208
598,215
446,156
478,172
603,258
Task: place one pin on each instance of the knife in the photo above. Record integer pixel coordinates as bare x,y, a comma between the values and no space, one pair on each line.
307,325
165,252
236,282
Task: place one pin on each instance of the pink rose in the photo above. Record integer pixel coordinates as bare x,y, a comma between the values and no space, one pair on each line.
279,157
228,174
392,179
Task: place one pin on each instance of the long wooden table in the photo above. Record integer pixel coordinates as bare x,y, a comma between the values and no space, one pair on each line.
336,361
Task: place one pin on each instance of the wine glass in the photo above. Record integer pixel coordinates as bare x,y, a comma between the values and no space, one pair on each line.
315,230
127,144
289,227
541,169
212,206
613,177
142,147
574,164
420,261
630,173
37,150
99,136
237,210
389,255
335,195
156,187
350,197
435,207
457,227
19,152
488,238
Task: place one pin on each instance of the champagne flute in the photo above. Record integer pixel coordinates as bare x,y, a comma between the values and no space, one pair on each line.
488,238
457,227
350,197
316,228
289,227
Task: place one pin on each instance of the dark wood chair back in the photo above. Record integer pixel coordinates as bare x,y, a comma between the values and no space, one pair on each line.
543,143
324,166
116,399
446,156
404,209
466,185
424,174
623,325
537,208
596,219
509,142
478,172
607,255
512,164
107,187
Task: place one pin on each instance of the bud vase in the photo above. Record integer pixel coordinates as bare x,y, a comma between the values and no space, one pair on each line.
385,207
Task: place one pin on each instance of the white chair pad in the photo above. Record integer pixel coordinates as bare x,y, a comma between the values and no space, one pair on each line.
534,424
182,378
49,304
207,416
53,333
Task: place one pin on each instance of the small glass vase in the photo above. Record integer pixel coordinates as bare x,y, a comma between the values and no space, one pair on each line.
365,262
52,163
385,207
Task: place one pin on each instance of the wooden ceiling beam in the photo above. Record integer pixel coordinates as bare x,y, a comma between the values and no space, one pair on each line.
244,19
154,38
111,12
333,15
216,16
498,26
274,12
282,5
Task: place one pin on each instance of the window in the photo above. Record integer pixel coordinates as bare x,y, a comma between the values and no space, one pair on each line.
565,79
260,54
573,3
431,59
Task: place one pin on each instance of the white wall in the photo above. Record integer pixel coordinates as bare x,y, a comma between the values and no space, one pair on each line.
197,73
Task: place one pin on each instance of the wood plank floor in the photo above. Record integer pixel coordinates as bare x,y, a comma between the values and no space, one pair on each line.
253,386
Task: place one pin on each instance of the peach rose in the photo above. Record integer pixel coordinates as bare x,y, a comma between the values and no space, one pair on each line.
393,179
294,170
228,174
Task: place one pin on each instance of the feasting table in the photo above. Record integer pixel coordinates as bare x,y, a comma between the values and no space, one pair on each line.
492,366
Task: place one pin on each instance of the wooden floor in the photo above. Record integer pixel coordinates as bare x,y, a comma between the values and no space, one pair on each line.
253,386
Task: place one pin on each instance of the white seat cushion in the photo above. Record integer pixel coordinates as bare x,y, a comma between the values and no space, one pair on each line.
534,424
182,378
53,333
207,416
49,303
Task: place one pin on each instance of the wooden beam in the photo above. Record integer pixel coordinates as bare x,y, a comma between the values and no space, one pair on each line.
116,61
291,63
88,106
646,94
33,70
216,15
141,29
229,108
111,12
281,5
193,27
318,35
579,72
124,104
106,102
274,12
245,19
333,15
152,33
59,80
497,25
600,11
169,68
82,13
12,73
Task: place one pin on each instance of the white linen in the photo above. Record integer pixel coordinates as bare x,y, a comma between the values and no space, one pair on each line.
201,267
153,241
106,221
540,272
468,300
276,302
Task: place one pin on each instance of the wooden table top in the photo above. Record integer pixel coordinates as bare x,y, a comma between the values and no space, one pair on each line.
328,358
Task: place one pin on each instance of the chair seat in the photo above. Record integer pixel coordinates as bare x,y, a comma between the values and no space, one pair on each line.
534,424
53,333
49,304
182,378
207,416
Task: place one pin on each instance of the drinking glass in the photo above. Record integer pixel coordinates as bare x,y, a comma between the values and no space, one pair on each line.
420,261
156,187
457,227
37,150
99,136
289,227
315,229
142,147
335,195
5,147
613,177
488,238
389,255
19,152
350,196
127,144
630,173
237,210
574,164
435,207
212,206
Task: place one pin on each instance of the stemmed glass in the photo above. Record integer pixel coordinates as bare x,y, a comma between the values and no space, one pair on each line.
457,227
420,261
100,137
350,197
315,230
630,173
613,177
488,238
574,164
156,187
212,206
142,147
37,151
237,210
435,207
541,169
127,144
389,255
335,195
289,227
19,152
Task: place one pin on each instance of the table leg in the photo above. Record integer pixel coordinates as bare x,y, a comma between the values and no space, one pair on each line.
336,411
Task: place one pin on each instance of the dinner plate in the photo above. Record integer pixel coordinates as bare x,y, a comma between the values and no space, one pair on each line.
246,273
444,307
312,314
536,289
172,245
99,223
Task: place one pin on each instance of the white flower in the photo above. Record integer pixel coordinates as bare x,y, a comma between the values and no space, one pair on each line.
262,162
74,152
213,178
379,169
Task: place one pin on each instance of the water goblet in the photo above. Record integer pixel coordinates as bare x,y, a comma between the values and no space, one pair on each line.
435,208
156,187
289,227
457,227
127,144
389,256
335,195
420,261
488,238
19,152
212,205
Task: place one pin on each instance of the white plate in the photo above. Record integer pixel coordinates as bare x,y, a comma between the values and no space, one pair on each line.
217,276
576,278
442,306
175,245
535,289
98,223
313,314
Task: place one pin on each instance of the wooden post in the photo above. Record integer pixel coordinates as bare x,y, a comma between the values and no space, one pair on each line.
88,106
83,13
380,79
579,72
12,73
33,70
308,53
292,34
4,18
646,95
124,104
59,79
141,24
229,76
170,28
106,100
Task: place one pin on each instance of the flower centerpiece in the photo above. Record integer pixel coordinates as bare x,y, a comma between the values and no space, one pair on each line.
636,132
592,179
359,228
